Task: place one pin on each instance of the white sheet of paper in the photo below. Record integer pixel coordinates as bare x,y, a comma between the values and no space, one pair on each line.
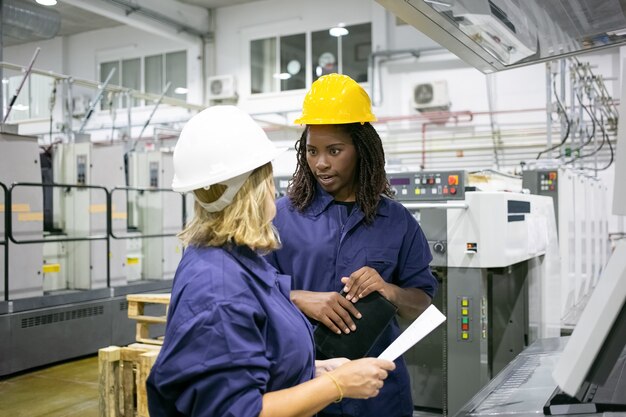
424,324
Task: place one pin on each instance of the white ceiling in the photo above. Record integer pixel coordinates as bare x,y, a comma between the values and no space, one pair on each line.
77,20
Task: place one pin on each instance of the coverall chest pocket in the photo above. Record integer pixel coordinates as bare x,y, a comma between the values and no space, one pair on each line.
383,260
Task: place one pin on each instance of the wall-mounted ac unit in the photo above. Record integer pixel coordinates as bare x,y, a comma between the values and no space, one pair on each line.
221,87
432,96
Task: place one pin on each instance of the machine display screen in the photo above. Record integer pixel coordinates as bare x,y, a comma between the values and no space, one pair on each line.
399,181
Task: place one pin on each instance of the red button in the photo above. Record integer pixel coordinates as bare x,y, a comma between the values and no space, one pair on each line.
452,190
552,175
445,190
453,180
465,327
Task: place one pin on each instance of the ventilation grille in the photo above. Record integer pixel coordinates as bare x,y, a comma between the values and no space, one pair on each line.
77,314
123,305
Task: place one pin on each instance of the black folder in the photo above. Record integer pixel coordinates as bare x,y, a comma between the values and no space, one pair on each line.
376,313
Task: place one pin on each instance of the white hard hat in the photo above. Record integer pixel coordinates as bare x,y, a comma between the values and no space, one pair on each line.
219,144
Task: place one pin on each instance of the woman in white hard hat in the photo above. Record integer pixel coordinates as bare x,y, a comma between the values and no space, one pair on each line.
234,343
340,230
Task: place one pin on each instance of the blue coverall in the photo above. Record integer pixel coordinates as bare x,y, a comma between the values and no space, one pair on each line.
324,244
232,334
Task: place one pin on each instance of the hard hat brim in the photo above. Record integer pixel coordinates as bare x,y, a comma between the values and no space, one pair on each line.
252,165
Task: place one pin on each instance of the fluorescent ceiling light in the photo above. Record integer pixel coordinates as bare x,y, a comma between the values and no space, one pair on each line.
20,107
47,2
282,75
338,31
180,90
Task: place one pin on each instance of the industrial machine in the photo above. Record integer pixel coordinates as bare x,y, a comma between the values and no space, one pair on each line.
156,213
580,203
488,248
64,258
26,218
80,211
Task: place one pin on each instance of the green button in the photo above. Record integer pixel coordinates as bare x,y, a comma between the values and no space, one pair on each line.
465,320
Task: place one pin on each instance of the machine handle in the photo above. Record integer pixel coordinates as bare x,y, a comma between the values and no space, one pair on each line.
443,206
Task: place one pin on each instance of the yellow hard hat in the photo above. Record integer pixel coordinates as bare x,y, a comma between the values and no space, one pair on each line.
336,99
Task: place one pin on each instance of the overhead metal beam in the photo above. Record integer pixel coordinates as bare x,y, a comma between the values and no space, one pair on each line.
160,22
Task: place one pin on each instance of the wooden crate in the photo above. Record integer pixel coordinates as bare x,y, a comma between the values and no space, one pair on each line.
122,377
136,311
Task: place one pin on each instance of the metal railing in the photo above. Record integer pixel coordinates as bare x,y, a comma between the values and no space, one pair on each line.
8,237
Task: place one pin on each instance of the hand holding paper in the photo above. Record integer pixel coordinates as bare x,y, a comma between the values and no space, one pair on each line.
424,324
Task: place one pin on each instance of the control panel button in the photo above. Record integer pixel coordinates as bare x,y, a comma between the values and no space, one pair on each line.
453,180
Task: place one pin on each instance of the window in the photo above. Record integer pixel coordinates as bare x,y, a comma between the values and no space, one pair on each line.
262,64
292,58
105,70
347,54
356,48
158,70
131,78
278,63
33,102
269,74
176,73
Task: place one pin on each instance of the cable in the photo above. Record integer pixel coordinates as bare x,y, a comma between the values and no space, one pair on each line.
593,132
51,104
567,121
605,138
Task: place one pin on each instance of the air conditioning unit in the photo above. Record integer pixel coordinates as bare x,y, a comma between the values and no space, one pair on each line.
221,87
432,96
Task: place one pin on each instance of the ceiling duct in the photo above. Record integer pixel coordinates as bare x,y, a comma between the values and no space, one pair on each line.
26,22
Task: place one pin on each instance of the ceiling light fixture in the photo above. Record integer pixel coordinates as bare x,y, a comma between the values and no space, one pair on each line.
282,75
181,90
47,2
338,30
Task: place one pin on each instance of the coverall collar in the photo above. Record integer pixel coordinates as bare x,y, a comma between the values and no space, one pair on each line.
323,200
253,262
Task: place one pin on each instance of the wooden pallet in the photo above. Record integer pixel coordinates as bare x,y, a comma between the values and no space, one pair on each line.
123,372
136,311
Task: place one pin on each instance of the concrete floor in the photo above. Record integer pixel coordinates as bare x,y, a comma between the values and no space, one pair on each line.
69,389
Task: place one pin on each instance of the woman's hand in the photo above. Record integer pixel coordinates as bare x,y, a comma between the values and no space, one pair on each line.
329,308
363,282
321,367
362,378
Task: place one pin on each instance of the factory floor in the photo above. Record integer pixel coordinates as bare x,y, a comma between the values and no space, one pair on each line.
69,389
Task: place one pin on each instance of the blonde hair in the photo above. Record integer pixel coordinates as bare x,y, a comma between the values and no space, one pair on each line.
243,222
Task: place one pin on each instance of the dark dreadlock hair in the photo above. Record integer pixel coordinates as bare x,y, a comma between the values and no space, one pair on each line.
371,180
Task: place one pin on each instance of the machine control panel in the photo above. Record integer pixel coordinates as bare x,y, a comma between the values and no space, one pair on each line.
428,185
543,182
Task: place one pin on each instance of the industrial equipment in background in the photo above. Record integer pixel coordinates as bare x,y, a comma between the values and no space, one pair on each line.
433,96
155,212
493,35
65,263
489,254
581,210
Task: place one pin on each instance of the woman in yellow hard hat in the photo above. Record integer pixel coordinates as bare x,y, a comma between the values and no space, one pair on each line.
341,231
235,345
